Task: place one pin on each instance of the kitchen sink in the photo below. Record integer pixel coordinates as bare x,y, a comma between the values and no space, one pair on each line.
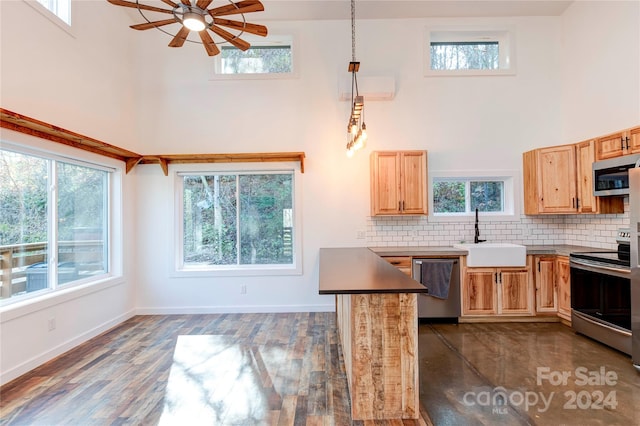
494,254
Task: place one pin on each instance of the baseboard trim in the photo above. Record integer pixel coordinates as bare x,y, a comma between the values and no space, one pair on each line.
30,364
242,309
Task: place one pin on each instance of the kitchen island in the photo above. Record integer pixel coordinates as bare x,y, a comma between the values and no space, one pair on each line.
377,318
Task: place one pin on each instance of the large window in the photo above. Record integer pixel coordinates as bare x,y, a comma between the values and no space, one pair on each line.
238,221
54,223
469,52
456,194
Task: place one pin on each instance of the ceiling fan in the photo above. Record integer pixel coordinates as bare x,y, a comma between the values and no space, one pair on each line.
194,15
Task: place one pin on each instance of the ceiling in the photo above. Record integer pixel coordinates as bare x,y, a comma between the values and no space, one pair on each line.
393,9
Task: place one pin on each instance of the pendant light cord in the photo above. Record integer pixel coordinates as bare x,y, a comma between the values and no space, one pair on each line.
353,30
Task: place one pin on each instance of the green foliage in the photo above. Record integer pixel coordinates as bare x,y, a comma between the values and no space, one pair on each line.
214,228
449,197
265,59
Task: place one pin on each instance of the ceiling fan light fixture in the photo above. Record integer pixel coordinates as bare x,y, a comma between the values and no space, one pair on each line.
193,21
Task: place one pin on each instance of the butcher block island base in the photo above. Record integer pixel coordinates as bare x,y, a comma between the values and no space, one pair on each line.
377,318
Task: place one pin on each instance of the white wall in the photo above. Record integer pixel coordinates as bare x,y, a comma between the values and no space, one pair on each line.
81,82
600,68
474,123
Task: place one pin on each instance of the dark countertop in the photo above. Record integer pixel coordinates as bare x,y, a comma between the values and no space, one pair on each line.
435,251
360,270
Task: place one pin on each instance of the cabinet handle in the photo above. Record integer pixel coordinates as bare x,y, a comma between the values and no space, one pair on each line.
403,206
621,143
626,139
500,275
573,202
577,202
496,279
399,205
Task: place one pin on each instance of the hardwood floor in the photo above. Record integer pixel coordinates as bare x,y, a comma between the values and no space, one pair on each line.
227,369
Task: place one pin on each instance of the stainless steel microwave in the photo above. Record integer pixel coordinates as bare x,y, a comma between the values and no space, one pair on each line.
611,177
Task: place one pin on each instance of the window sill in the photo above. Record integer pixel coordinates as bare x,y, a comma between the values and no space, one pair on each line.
19,308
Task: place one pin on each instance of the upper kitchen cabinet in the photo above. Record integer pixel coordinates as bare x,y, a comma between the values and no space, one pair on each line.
618,144
398,183
550,180
558,180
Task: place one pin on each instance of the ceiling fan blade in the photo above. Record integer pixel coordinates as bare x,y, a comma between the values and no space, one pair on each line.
260,30
154,24
237,42
138,5
186,2
203,4
245,6
209,44
170,3
180,38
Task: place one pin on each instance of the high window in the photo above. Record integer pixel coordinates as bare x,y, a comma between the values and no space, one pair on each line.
60,8
272,57
54,223
238,221
469,52
455,196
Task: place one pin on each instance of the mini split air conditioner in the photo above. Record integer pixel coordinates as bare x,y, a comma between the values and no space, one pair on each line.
372,88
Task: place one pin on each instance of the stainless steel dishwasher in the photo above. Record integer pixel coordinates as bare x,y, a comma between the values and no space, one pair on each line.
434,307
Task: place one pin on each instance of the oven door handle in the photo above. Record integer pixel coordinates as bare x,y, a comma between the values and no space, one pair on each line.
588,264
600,324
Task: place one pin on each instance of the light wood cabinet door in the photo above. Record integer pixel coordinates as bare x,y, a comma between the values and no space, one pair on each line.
545,284
557,179
398,183
413,182
610,146
563,279
385,183
585,155
634,140
479,295
515,292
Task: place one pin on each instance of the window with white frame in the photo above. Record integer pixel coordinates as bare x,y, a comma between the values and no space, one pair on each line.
469,52
271,57
60,8
54,223
460,195
238,221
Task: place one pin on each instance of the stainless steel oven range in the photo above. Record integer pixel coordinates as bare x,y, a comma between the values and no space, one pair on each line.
601,294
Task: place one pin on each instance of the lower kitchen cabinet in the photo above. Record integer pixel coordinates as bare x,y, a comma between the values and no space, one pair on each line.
546,284
563,279
498,291
552,285
401,262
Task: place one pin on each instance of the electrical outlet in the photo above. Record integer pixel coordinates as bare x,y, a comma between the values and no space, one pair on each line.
360,234
243,289
51,324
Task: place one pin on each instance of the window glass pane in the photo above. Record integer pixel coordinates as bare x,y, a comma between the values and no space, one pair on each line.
256,60
61,8
82,222
210,219
487,196
23,221
465,55
266,221
449,197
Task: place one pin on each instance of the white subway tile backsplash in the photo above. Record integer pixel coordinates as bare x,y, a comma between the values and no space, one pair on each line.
585,230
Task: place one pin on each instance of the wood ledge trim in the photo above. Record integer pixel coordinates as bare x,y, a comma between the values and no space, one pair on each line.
30,126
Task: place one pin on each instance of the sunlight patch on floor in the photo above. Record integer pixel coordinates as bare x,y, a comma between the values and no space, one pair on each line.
213,381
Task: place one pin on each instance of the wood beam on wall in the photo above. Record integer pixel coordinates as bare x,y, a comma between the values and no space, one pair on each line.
30,126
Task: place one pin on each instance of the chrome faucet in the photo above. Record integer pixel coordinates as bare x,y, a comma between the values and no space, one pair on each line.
477,239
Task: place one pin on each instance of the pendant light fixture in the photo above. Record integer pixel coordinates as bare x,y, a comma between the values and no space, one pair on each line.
356,129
